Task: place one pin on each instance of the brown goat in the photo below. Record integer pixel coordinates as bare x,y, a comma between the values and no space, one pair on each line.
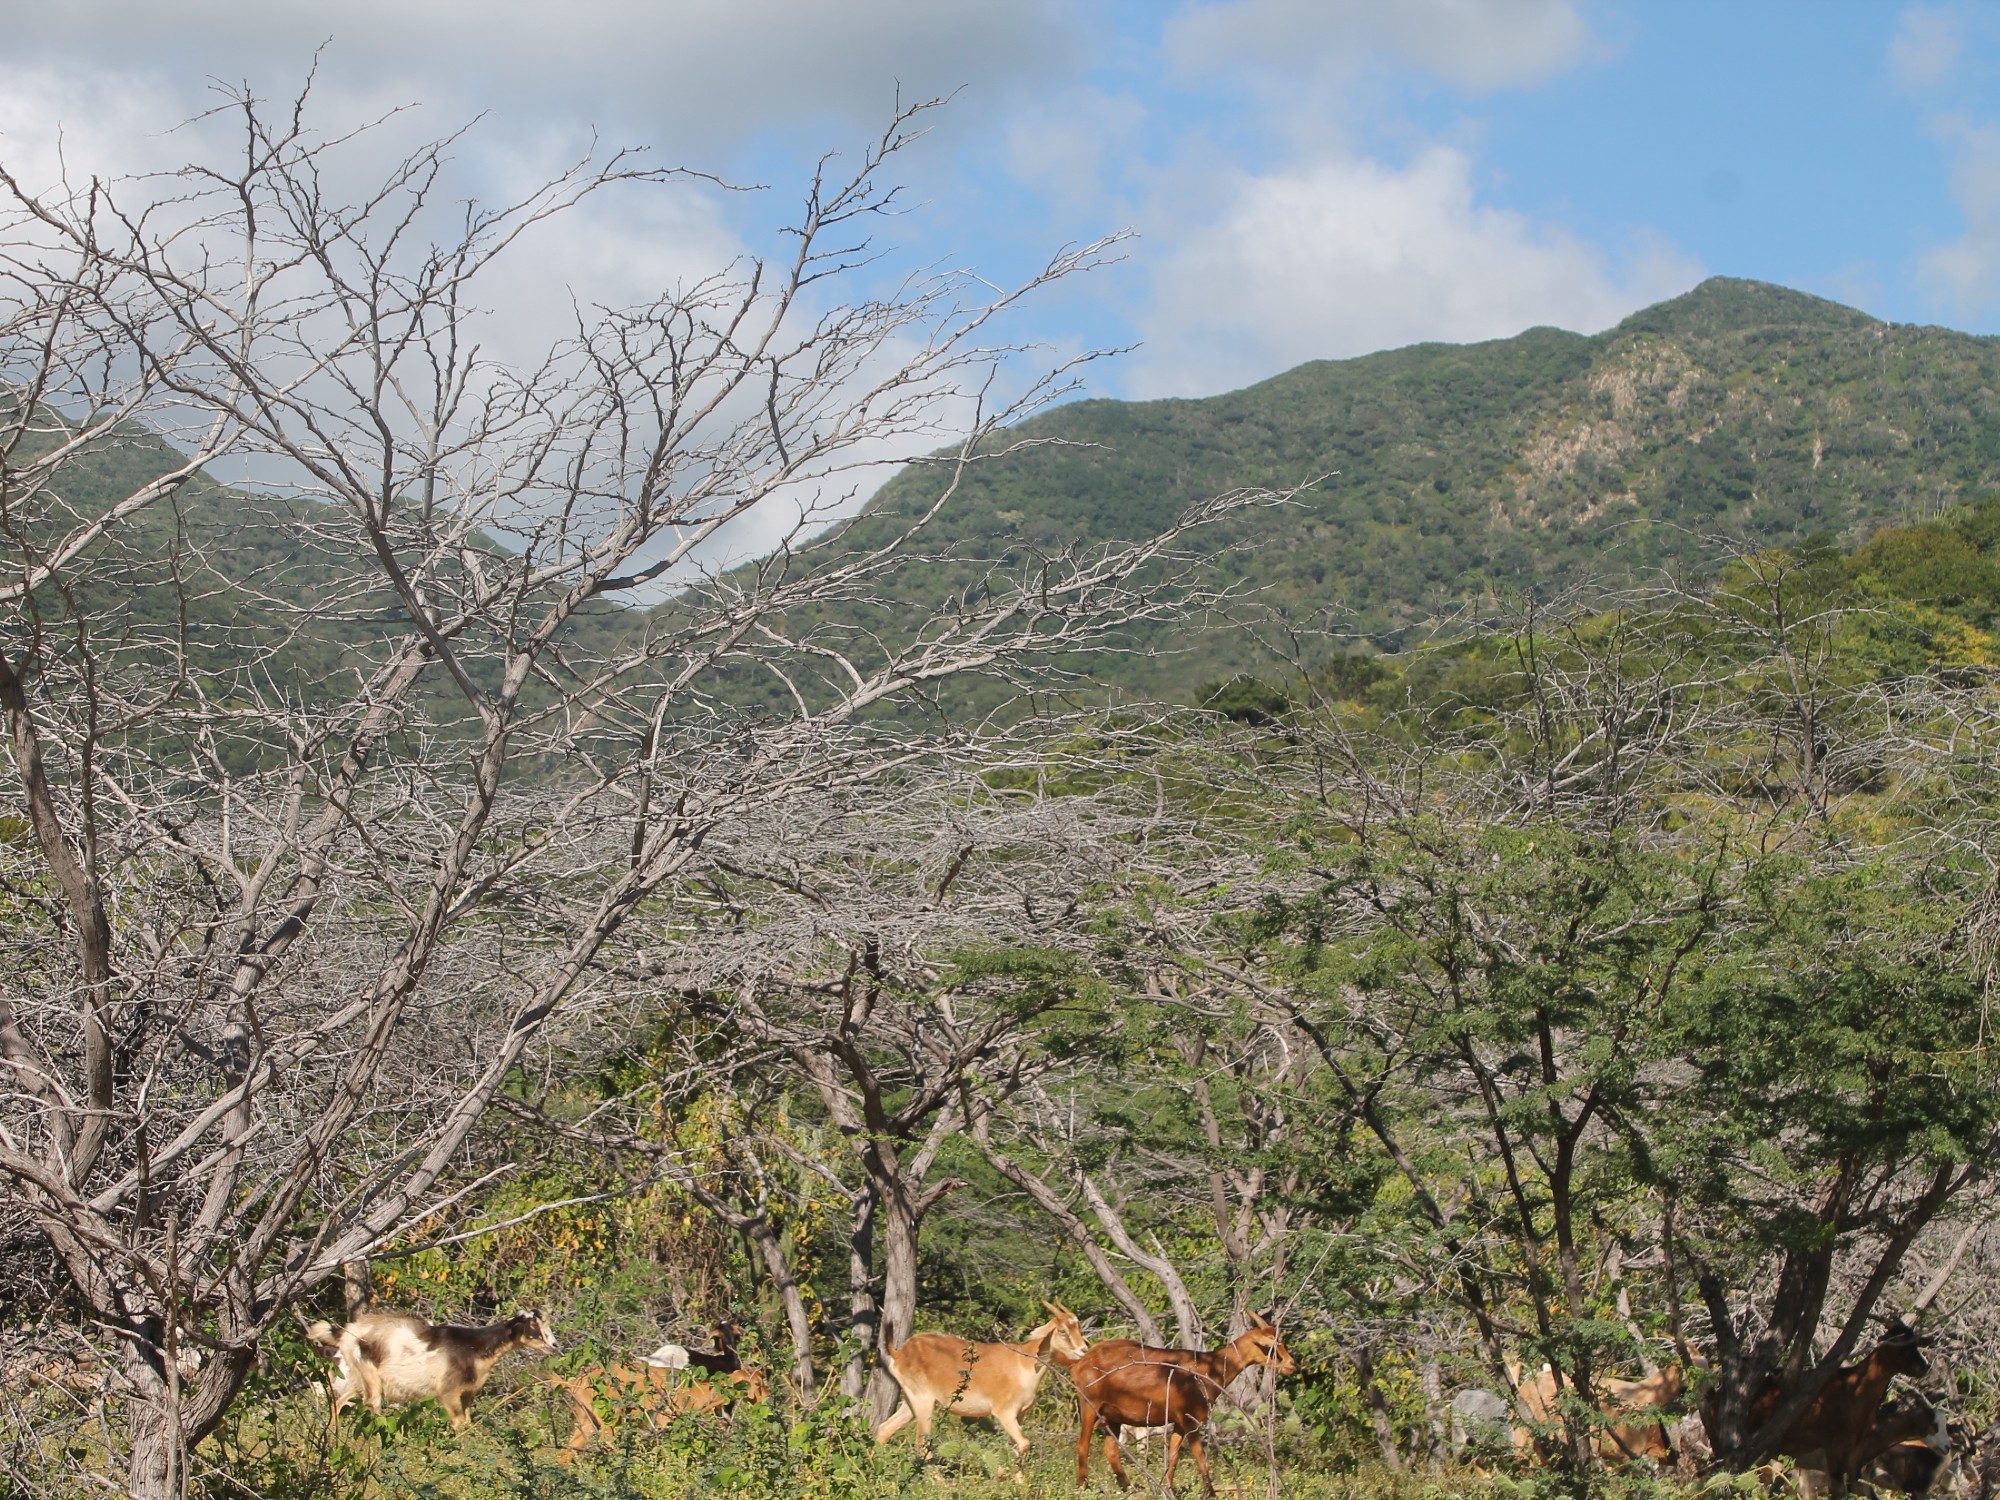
1121,1384
607,1394
1630,1429
979,1380
724,1360
400,1357
1842,1417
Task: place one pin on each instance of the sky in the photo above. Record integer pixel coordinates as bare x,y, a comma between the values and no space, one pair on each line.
1303,179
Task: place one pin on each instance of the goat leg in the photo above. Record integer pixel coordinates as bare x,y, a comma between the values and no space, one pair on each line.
1083,1438
1113,1457
898,1420
1200,1452
1010,1423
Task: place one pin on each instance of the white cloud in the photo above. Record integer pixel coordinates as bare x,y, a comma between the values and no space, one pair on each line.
1076,146
1964,275
1345,257
621,247
1326,253
1926,48
55,123
713,84
1927,57
695,75
1477,44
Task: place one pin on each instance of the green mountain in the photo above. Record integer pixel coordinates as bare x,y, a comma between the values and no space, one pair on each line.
1740,412
262,590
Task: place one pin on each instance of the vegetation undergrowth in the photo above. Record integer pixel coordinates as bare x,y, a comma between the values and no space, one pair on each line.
516,1448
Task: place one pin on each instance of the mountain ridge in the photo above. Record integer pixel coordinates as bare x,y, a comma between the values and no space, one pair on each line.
1738,413
1739,409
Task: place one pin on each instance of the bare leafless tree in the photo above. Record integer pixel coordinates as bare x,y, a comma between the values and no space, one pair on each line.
895,970
315,846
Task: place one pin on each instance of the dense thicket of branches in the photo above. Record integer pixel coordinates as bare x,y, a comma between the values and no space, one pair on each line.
279,941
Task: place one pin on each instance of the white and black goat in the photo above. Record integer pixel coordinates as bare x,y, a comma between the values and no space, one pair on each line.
394,1358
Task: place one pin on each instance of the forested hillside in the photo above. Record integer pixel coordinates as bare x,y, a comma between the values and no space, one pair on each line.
1439,476
1607,988
1739,411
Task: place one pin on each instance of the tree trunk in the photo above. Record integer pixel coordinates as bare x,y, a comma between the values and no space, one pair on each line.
167,1420
1433,1382
358,1287
156,1466
863,1317
899,1225
778,1266
1378,1407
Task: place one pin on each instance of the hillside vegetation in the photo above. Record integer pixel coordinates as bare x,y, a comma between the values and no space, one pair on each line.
1439,476
1740,410
1730,949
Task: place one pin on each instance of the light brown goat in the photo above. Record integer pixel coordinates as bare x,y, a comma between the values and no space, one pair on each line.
400,1357
979,1380
1121,1384
1635,1424
606,1395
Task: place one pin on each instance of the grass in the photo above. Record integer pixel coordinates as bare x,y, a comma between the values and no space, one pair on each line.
515,1447
277,1444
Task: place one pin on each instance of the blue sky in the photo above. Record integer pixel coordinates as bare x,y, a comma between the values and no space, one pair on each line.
1322,178
1306,178
1772,140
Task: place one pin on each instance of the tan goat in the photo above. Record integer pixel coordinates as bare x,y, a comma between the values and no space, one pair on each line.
979,1380
400,1357
1636,1412
605,1395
